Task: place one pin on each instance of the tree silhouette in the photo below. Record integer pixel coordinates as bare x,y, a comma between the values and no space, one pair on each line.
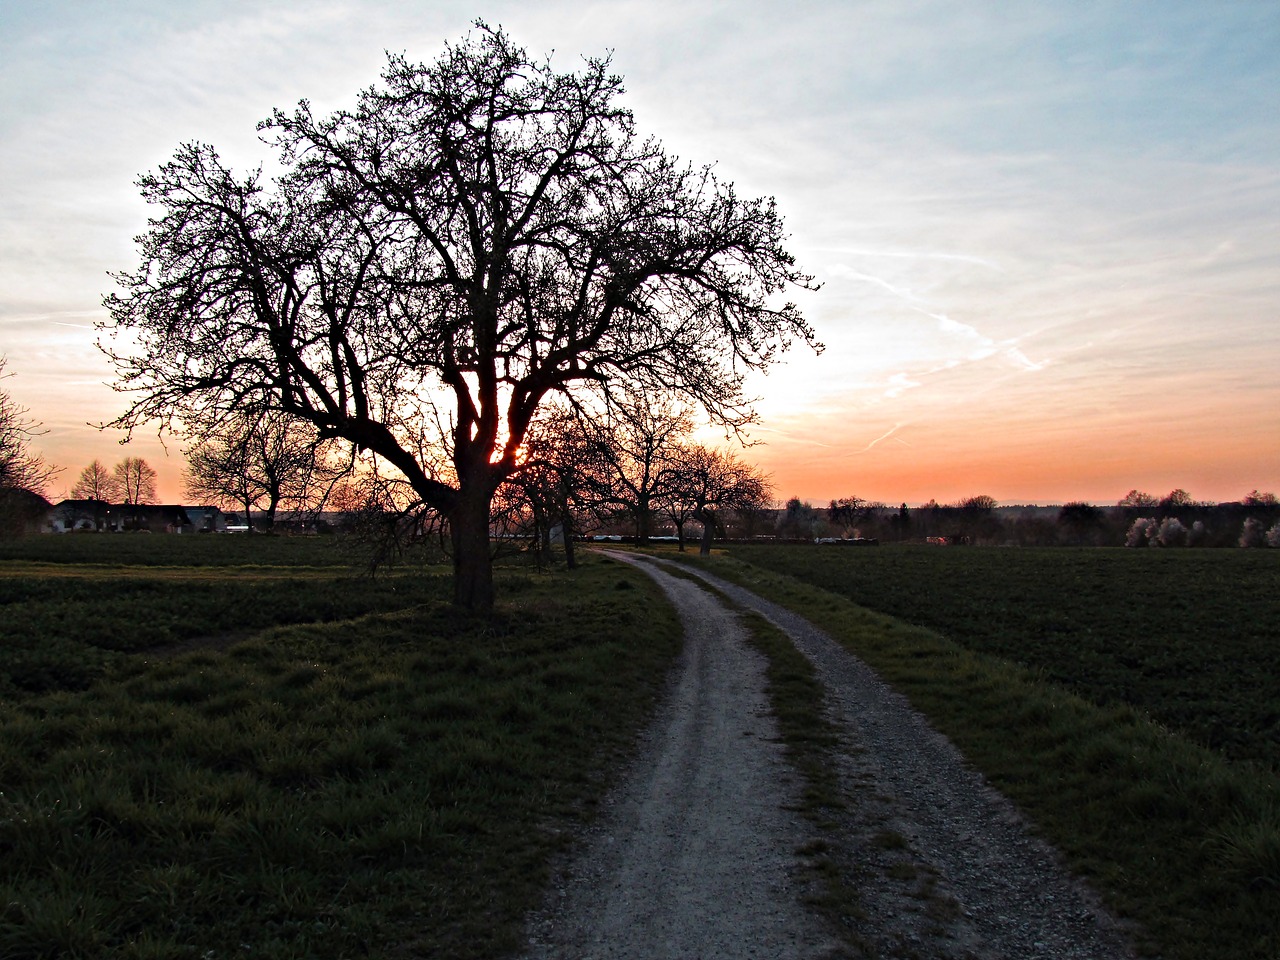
635,441
21,468
850,512
1081,520
134,481
95,482
1137,500
710,482
261,461
562,463
475,235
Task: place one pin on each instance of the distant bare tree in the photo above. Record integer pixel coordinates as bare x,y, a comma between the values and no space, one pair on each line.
1138,500
1176,500
798,519
96,482
563,465
850,512
635,442
1256,498
976,518
711,481
20,467
135,481
1081,521
261,461
674,505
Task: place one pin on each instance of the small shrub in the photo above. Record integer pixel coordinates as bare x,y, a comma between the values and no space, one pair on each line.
1141,533
1249,851
1252,535
1171,533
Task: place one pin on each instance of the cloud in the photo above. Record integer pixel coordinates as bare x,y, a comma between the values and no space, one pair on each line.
899,383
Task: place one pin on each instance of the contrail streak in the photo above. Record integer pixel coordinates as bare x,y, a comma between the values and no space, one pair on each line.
885,436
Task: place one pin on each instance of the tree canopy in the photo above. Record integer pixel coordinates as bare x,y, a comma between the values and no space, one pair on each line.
95,482
710,482
134,481
477,234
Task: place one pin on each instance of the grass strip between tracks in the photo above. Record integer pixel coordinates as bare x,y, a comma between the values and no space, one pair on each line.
1172,835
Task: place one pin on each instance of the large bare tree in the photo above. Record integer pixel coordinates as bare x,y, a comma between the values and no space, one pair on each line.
477,234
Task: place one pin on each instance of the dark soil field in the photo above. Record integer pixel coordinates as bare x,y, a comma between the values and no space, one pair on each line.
1190,637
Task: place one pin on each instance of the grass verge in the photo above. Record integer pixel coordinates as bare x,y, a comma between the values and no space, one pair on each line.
1173,835
384,785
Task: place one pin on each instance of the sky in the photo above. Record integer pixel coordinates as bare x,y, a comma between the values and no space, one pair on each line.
1047,233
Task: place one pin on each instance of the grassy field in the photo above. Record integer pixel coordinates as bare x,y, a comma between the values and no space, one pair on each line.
1190,637
222,747
1177,836
229,747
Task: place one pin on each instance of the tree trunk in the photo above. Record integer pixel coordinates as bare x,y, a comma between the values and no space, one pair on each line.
472,564
566,532
642,521
544,543
541,535
708,521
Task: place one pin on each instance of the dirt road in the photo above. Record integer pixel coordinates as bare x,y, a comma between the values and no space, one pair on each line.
696,855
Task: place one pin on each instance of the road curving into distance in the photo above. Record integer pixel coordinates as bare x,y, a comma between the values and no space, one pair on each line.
696,853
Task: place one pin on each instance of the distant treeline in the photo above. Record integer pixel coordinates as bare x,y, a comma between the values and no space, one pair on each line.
1137,520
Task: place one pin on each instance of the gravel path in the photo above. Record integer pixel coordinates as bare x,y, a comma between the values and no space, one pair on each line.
695,856
695,853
